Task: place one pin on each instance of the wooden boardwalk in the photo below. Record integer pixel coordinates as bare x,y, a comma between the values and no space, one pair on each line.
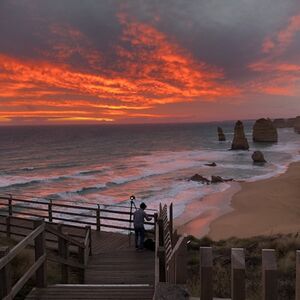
115,269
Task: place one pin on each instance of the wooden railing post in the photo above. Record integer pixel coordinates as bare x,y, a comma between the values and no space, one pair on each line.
63,252
181,262
50,211
161,231
161,251
298,275
269,274
10,208
40,250
82,260
90,240
5,275
238,274
98,223
171,223
206,282
8,226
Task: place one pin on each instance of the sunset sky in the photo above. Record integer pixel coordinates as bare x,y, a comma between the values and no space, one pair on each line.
141,61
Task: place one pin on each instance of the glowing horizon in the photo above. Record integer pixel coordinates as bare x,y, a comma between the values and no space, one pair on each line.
138,68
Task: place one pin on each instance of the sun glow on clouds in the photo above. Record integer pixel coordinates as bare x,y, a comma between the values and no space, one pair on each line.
277,75
152,70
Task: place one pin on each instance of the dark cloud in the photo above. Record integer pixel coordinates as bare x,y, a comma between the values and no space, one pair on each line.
219,41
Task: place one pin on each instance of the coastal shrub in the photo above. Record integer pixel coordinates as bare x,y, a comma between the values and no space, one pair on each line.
284,245
23,261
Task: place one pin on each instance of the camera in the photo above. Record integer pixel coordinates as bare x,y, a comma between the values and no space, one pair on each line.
132,197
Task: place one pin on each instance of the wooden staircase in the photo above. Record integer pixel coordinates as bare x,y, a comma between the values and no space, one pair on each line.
116,274
121,267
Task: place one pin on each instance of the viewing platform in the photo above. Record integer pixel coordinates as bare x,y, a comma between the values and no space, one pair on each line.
110,267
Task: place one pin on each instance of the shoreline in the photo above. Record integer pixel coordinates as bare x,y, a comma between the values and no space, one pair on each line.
262,207
192,223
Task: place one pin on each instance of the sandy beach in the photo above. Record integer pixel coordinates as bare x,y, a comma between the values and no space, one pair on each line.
259,208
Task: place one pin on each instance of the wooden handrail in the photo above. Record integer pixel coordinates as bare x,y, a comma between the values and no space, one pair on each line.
38,268
21,245
72,241
22,281
51,210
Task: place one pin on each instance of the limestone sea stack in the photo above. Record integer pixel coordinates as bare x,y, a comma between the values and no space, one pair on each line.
221,135
240,141
258,157
264,131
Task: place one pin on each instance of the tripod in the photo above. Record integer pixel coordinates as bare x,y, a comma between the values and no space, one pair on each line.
132,204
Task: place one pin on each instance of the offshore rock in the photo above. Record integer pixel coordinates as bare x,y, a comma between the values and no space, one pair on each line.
218,179
213,164
265,131
240,141
200,178
221,135
258,157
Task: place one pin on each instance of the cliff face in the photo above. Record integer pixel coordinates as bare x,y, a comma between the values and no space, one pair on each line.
264,131
284,123
240,141
221,135
297,125
280,123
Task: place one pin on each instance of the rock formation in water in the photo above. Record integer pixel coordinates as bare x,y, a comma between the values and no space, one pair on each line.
258,157
240,141
221,135
218,179
214,179
265,131
213,164
200,178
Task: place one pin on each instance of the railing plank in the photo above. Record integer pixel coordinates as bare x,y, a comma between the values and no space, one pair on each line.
40,251
63,252
59,234
206,282
297,275
5,275
238,274
269,274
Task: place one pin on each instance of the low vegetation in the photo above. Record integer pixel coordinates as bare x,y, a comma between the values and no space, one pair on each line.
22,262
285,246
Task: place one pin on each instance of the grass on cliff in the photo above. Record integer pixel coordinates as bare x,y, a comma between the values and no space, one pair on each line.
285,246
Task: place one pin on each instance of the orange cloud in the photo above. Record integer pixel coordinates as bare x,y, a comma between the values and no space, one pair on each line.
150,70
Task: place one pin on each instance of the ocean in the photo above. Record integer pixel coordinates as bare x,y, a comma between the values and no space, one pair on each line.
105,164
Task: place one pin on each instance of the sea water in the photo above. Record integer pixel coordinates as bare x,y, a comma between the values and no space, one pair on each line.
108,163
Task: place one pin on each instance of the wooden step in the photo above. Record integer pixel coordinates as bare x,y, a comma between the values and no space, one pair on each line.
88,291
121,267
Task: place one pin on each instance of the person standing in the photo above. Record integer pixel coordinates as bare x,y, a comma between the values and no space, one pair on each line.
139,217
